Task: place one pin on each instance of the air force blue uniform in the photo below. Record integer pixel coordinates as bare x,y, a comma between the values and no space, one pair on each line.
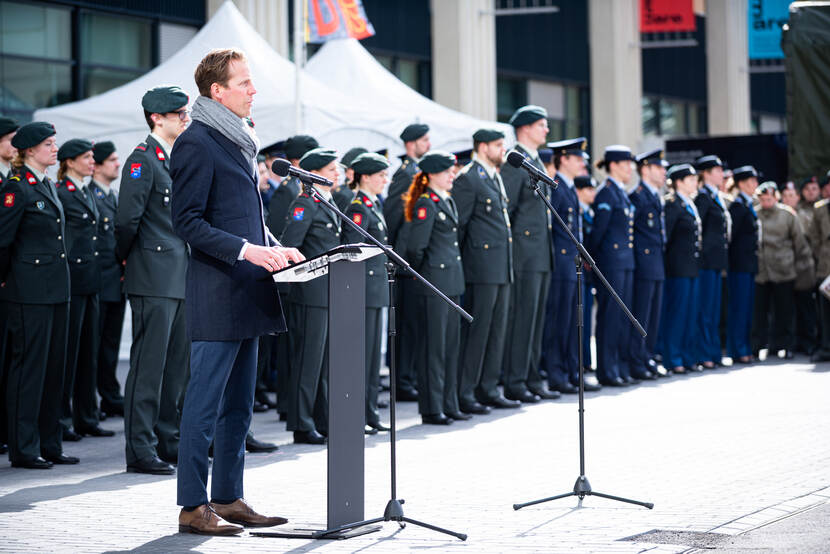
743,265
715,223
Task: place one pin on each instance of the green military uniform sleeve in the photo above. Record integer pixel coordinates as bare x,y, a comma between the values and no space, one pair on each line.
420,230
136,183
11,212
298,222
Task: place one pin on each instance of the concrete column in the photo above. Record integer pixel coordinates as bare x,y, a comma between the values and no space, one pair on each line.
464,56
616,74
727,67
268,17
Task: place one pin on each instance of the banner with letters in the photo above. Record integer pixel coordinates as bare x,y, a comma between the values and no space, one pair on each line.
766,17
334,19
666,16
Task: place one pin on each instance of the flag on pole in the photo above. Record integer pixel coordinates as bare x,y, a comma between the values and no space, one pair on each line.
333,19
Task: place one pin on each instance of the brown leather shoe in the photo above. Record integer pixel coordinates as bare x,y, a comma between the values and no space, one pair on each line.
241,512
204,521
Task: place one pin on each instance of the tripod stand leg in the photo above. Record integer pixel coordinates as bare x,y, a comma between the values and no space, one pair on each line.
354,525
541,500
648,505
460,536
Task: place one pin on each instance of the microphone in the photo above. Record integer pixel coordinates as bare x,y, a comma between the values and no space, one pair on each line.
283,167
517,159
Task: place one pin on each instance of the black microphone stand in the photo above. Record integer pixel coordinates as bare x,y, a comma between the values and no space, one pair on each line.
394,508
582,487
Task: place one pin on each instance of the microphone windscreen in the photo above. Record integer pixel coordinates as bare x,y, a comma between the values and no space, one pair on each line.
280,167
514,158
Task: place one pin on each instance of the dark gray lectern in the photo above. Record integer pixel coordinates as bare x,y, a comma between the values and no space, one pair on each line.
347,361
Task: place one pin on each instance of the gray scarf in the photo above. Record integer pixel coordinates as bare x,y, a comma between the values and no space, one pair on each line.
215,115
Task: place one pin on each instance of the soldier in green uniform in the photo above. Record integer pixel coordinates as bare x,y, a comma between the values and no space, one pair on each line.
312,229
35,279
432,247
371,175
112,301
8,127
154,281
486,246
415,139
80,406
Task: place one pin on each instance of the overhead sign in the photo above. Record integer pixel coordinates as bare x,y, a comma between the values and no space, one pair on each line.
334,19
766,17
662,16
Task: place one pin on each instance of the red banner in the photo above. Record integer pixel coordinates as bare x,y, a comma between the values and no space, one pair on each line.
333,19
661,16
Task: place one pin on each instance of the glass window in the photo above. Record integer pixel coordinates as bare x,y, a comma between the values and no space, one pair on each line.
96,80
672,118
651,122
510,95
408,73
116,41
28,85
36,31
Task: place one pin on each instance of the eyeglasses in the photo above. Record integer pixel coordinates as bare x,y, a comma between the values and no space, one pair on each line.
183,114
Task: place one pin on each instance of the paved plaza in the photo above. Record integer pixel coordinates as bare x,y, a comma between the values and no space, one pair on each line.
731,458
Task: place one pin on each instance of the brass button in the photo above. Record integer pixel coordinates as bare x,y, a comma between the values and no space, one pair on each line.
78,261
94,238
455,243
569,209
96,253
38,261
58,220
646,251
106,220
527,233
441,266
510,239
631,245
158,248
564,251
454,229
60,237
616,246
371,272
166,191
486,246
63,255
489,201
458,257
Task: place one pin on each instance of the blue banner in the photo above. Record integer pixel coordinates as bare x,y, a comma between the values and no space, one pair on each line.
766,17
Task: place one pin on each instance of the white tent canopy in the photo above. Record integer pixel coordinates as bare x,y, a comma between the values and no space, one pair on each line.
346,61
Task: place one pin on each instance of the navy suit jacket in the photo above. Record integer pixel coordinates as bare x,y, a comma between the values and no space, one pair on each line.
216,206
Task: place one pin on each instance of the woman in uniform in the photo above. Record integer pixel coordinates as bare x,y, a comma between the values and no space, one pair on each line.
432,249
313,229
371,173
35,277
79,390
682,259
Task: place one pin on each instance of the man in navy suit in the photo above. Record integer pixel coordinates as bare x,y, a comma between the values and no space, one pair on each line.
230,300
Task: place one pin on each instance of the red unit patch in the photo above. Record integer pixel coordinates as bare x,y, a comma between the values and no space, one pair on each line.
434,197
368,203
8,200
422,213
31,178
159,153
70,187
357,218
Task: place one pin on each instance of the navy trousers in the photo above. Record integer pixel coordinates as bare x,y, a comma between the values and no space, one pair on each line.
559,348
708,320
611,320
217,407
676,325
741,299
646,306
587,309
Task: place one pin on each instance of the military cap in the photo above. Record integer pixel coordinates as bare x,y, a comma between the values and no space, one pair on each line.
744,172
615,153
824,179
546,155
807,180
275,150
369,163
32,134
652,157
487,135
102,150
317,158
569,146
463,157
680,171
767,187
436,161
708,162
352,155
7,125
414,131
297,146
527,115
383,152
584,182
73,148
164,99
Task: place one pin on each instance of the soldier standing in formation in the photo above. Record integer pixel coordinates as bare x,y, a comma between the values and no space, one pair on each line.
154,280
80,407
432,248
806,294
487,254
820,241
313,229
35,279
370,173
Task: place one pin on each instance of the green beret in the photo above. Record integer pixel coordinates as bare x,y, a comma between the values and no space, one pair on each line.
487,135
296,146
317,158
32,134
436,161
164,99
351,155
102,150
369,163
73,148
414,132
7,125
527,115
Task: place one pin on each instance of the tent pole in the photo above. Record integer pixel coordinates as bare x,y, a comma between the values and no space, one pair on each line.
299,59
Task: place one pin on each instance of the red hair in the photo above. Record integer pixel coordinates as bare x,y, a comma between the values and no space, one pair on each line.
416,189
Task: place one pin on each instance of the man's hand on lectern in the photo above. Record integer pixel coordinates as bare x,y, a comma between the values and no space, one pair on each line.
272,258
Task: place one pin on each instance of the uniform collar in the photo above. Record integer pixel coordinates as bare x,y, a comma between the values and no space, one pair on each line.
39,174
746,198
650,188
370,196
712,189
688,202
584,207
619,186
442,194
102,186
325,193
491,171
5,169
80,184
532,151
565,180
163,143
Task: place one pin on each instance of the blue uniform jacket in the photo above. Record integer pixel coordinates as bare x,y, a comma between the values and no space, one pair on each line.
215,208
648,234
743,249
566,204
612,238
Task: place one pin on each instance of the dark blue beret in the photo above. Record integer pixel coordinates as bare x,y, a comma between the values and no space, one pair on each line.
73,148
369,163
436,161
317,158
487,135
352,155
7,125
32,134
102,150
527,115
414,132
297,146
164,99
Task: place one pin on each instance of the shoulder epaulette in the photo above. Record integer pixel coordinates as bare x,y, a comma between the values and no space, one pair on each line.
466,168
14,178
142,146
434,197
425,195
357,200
787,209
822,203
